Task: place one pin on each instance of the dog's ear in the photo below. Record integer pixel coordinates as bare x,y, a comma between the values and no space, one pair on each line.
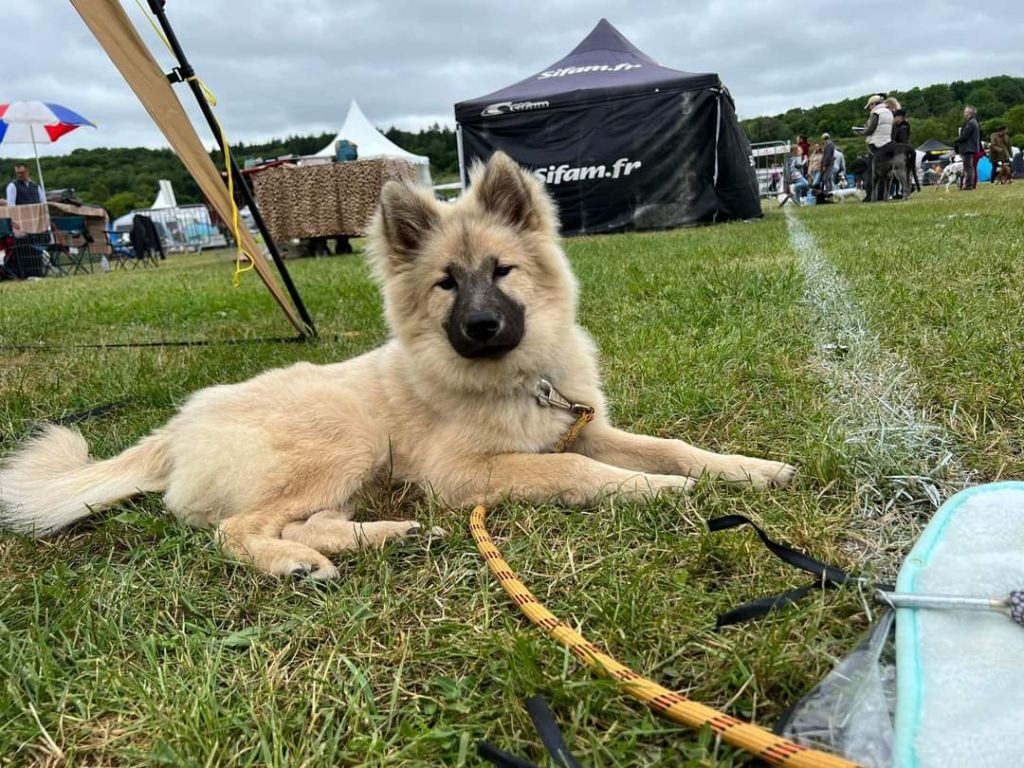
407,216
510,193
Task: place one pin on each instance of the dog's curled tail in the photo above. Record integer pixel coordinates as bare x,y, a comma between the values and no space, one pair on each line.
51,482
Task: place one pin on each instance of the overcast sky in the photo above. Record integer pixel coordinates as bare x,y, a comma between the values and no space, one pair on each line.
284,67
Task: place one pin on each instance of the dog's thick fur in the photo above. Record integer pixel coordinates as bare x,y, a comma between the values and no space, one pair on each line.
481,303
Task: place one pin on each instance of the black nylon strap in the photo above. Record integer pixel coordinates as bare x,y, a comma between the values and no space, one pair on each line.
755,609
547,728
785,553
827,576
550,736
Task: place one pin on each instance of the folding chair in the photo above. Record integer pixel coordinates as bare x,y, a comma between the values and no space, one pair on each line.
71,245
120,252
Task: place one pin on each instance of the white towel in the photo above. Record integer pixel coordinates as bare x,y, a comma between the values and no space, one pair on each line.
961,673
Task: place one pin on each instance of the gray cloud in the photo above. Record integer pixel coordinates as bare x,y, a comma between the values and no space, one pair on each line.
283,68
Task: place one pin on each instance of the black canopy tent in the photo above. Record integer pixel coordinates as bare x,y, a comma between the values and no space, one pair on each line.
622,142
934,145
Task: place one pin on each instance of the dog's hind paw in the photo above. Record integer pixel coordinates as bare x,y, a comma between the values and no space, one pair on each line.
314,572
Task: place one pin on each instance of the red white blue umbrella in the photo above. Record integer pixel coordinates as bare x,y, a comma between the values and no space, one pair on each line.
37,122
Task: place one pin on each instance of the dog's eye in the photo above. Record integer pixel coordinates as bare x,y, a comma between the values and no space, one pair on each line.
448,284
502,270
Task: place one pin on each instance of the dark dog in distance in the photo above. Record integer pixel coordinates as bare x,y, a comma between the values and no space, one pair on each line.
893,161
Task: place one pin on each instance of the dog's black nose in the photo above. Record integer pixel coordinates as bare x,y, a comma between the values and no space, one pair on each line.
482,326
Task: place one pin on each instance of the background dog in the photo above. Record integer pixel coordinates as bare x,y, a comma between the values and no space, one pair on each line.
951,174
893,161
482,305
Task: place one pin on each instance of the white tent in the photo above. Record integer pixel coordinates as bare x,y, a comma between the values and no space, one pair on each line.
371,143
165,198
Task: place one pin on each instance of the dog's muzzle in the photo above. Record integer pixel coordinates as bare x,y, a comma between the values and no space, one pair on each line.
485,334
484,321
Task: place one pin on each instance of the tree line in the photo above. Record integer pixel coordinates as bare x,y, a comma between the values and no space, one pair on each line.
934,112
122,179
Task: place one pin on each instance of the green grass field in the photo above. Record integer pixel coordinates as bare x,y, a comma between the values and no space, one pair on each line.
129,640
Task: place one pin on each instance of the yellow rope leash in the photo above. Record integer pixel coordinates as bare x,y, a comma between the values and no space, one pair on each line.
754,739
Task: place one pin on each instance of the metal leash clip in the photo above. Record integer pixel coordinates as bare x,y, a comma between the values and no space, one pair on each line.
549,397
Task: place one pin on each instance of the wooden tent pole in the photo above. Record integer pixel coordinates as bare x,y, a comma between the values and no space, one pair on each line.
117,35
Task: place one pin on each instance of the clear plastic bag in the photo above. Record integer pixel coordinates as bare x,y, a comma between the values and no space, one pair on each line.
850,712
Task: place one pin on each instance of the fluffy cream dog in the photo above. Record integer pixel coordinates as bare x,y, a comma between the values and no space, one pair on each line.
482,306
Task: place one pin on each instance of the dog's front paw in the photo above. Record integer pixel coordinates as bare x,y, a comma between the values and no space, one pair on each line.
431,533
767,474
313,571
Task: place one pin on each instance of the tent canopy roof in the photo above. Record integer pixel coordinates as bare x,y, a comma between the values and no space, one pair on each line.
604,65
933,145
370,143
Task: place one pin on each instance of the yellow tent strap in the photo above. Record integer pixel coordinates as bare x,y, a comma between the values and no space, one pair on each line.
755,740
241,253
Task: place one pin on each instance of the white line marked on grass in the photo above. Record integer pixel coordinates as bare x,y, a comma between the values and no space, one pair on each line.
897,455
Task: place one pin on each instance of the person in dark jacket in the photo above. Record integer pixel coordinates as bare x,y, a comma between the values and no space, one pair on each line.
828,159
900,127
22,190
998,150
968,146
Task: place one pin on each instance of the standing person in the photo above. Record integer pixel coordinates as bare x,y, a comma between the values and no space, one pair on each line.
877,131
998,150
828,161
968,146
805,146
814,165
839,167
22,190
900,127
31,219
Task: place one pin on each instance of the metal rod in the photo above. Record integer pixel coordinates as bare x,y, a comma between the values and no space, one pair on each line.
949,602
1011,606
185,71
35,151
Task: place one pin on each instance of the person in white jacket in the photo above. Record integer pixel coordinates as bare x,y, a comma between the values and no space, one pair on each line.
877,132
